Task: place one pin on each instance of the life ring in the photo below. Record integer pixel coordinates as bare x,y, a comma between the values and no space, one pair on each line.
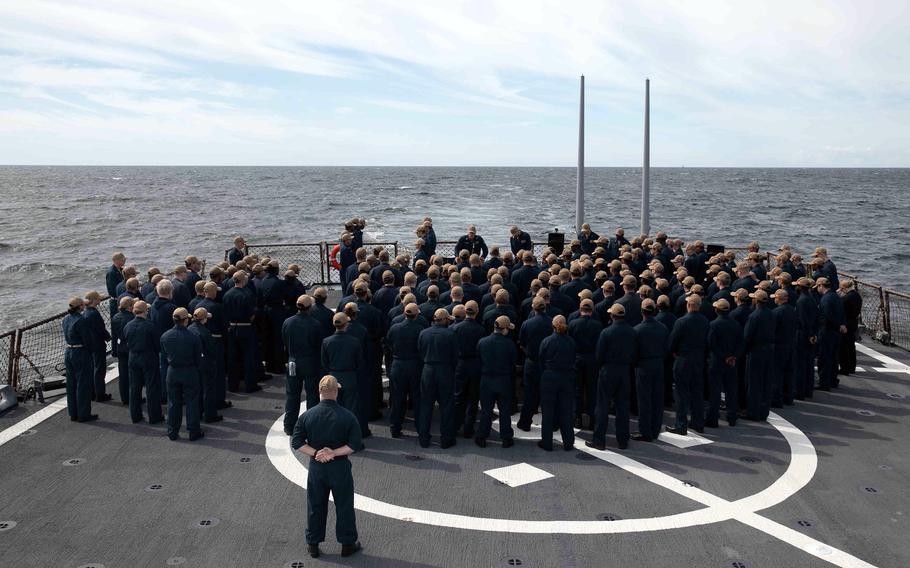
333,257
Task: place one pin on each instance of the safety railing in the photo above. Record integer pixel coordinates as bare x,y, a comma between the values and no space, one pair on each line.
897,318
38,349
7,349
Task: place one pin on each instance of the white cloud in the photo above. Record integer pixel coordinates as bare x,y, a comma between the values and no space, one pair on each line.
829,75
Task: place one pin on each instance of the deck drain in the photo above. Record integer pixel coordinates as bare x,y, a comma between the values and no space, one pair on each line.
92,565
246,460
885,467
738,564
896,396
870,489
413,457
689,483
7,525
512,561
155,487
205,523
608,517
804,523
279,407
27,433
750,459
865,413
295,564
74,461
584,456
175,561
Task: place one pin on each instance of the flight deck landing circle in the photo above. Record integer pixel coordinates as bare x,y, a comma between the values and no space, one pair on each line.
802,467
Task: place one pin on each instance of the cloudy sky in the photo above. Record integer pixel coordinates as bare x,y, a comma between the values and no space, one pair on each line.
792,83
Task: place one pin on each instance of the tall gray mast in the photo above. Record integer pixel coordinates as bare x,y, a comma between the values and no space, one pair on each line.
646,166
580,185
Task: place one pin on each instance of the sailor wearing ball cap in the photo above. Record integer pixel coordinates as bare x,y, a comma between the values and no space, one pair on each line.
144,348
806,335
404,374
758,346
584,330
828,269
784,342
302,336
688,342
831,329
557,386
472,242
498,357
118,323
341,355
651,349
183,350
725,337
615,354
438,347
208,395
467,373
78,360
532,333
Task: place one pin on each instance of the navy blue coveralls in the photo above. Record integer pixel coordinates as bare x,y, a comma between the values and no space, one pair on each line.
112,279
758,342
142,339
239,310
725,337
533,331
341,356
218,326
806,328
557,389
438,347
271,298
784,341
615,355
498,357
183,350
651,351
585,330
473,246
467,374
208,403
831,317
79,369
118,342
522,242
98,350
302,337
161,315
404,375
329,425
688,342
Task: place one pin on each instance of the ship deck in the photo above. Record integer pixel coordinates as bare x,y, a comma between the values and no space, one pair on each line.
823,483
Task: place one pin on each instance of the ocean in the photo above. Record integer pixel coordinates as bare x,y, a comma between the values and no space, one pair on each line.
60,225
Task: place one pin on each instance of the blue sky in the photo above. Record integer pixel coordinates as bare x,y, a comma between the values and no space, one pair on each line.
796,83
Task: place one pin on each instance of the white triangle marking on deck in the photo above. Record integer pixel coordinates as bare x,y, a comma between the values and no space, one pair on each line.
689,440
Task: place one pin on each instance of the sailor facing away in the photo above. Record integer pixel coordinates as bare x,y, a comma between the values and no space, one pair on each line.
208,397
615,355
302,336
328,433
239,311
498,357
651,350
557,386
342,356
438,347
758,344
533,331
467,373
78,361
585,330
183,350
688,343
806,330
404,375
725,337
784,342
832,326
98,346
144,347
118,323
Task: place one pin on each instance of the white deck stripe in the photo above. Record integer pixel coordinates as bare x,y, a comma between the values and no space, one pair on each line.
40,416
888,361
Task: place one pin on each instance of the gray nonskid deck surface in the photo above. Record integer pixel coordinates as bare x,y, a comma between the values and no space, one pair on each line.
104,511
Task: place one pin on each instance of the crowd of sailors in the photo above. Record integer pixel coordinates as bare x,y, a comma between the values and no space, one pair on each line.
605,326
